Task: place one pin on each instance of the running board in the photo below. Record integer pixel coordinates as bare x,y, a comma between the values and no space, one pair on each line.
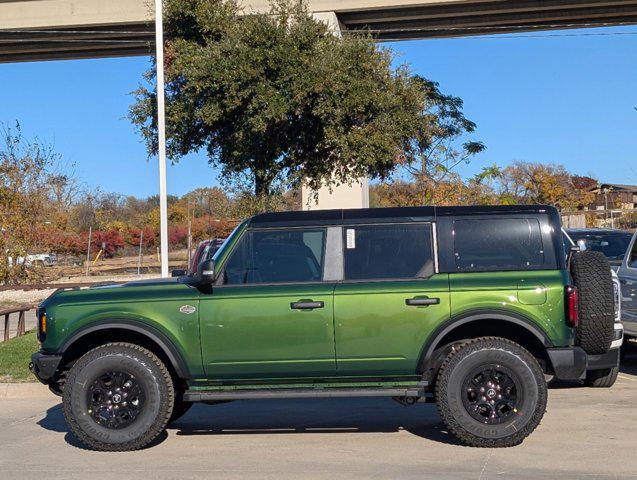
207,395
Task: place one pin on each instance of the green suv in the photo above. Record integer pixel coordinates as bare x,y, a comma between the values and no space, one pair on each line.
469,307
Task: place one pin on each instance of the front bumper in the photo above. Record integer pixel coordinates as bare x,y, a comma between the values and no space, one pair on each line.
572,363
44,366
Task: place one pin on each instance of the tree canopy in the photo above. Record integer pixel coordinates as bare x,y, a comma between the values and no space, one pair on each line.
278,98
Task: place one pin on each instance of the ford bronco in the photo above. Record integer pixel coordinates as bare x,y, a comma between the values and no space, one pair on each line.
469,307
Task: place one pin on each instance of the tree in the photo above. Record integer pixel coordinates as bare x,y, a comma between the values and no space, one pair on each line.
278,99
539,183
437,145
25,205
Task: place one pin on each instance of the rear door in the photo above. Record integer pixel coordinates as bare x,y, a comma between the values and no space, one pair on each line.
389,300
628,279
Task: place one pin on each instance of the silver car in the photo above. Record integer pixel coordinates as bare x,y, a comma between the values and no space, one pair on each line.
627,274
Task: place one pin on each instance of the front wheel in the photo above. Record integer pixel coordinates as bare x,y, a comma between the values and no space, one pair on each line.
491,392
118,397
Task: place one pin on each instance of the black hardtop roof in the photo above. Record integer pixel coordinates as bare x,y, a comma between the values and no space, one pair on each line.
325,217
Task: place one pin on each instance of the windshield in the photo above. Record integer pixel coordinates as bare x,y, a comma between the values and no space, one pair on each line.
612,245
222,247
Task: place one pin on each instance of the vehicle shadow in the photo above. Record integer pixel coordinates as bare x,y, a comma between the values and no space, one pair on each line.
308,416
54,421
629,361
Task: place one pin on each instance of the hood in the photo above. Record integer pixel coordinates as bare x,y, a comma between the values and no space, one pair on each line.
138,290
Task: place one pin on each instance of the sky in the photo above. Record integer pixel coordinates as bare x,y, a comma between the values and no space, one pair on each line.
557,97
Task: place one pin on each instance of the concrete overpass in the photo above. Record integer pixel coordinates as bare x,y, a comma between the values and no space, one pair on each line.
65,29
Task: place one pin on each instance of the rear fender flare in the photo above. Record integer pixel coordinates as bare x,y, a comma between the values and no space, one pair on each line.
453,323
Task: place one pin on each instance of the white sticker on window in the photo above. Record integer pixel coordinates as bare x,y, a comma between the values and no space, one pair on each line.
351,238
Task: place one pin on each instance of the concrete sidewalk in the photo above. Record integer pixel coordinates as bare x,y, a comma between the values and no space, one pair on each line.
24,391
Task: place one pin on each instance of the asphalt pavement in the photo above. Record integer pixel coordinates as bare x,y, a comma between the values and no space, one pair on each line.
586,433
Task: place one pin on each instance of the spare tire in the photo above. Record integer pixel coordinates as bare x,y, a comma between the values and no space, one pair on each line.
592,276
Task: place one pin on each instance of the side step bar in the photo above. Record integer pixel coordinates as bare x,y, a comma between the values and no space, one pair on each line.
207,395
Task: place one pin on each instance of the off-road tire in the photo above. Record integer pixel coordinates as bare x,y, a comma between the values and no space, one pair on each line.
152,376
592,276
452,377
180,409
604,378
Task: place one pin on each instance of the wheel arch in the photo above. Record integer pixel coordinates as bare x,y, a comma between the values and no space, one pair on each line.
483,323
92,335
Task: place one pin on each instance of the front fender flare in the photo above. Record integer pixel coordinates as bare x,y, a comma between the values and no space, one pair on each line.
148,331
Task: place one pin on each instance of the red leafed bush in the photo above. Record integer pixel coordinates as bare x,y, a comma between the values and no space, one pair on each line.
134,235
110,241
177,236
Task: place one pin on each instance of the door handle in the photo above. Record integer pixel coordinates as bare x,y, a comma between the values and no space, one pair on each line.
306,305
421,302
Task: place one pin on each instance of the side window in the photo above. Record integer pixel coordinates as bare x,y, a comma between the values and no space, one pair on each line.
632,261
388,251
498,244
277,256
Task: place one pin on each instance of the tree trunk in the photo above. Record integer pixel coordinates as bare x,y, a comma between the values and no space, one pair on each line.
261,185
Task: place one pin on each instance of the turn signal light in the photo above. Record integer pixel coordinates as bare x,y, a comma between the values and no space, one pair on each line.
41,325
572,306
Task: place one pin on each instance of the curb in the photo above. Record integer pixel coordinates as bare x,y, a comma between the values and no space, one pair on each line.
23,390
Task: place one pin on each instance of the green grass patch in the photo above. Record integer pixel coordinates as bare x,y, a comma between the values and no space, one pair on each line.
15,355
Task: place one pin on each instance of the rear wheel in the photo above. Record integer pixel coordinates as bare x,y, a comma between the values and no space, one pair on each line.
118,397
604,378
491,392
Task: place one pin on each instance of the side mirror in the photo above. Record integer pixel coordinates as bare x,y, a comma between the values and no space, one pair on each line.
178,273
206,271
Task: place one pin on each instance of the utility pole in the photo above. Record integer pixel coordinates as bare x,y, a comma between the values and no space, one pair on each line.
161,133
189,236
88,250
139,260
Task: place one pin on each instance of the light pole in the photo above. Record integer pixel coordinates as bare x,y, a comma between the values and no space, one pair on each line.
161,133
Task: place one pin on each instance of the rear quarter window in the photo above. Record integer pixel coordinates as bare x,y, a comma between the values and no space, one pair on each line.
498,244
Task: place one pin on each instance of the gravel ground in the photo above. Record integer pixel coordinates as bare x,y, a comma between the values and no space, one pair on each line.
35,296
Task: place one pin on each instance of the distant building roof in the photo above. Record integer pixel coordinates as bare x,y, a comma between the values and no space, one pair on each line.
617,187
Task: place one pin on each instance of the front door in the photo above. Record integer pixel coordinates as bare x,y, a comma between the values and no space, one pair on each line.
272,316
390,299
628,280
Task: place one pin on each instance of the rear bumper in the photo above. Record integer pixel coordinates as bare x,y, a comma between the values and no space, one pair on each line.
44,366
572,363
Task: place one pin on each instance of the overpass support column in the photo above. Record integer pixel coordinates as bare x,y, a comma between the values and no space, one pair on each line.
355,195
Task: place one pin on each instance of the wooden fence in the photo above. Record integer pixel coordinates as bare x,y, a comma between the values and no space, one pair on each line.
7,313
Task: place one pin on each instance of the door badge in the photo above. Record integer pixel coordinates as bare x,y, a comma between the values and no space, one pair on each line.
187,309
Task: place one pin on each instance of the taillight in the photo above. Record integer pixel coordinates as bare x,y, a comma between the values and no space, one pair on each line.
572,306
41,315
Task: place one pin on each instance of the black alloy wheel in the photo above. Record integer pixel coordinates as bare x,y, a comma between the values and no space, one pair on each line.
491,394
115,400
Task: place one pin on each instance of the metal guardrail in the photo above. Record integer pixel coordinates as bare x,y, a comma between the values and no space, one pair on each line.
7,312
52,286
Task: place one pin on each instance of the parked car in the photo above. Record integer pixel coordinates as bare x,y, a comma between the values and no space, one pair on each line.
205,251
627,274
612,243
465,306
36,259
